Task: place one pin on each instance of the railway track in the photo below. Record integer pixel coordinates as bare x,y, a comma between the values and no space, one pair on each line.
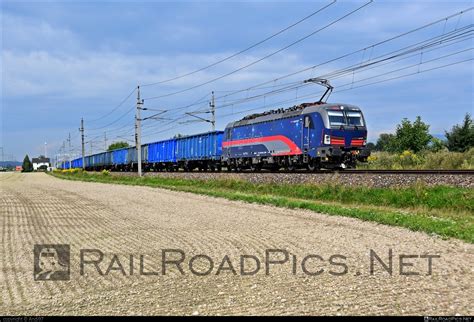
441,172
347,171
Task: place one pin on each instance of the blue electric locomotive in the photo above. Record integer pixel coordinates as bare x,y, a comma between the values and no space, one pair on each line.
310,135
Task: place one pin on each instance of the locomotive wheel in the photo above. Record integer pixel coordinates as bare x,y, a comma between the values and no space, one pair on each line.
290,167
255,167
312,165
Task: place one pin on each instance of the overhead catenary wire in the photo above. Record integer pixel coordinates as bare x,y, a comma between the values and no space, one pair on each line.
243,50
340,73
115,121
115,108
263,58
411,74
318,95
373,64
260,85
295,87
350,53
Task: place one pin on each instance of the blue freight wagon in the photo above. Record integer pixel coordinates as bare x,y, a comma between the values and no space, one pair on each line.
108,159
132,156
202,151
119,157
98,160
77,163
162,151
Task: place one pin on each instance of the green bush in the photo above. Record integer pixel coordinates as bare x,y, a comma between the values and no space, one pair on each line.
428,160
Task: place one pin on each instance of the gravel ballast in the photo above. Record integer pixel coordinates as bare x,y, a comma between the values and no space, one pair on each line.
348,179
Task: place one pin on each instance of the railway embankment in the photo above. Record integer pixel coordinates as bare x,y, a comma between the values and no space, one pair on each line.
441,210
371,179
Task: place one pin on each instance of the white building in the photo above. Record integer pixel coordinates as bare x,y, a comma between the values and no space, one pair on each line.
41,160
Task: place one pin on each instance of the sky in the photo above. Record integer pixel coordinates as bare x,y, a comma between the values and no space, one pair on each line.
66,60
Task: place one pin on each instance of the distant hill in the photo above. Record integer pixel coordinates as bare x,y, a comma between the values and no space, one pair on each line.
440,136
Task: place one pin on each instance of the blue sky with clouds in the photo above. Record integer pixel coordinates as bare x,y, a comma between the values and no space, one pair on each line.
63,60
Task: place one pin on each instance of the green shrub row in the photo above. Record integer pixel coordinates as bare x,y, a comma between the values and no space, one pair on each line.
425,160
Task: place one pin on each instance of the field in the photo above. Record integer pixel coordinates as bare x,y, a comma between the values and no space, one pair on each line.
131,220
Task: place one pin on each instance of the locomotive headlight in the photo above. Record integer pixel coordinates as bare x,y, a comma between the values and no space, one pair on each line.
364,143
327,139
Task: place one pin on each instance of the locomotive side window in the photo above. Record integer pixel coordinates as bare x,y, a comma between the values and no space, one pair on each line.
355,118
308,122
336,118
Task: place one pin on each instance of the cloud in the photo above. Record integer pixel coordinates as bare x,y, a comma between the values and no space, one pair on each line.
34,34
91,74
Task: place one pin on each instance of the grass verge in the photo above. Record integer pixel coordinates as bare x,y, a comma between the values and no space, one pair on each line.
441,210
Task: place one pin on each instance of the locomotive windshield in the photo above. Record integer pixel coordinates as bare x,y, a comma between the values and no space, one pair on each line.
345,118
354,118
336,118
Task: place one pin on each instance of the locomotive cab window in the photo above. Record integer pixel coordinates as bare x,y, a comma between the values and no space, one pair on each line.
354,118
336,118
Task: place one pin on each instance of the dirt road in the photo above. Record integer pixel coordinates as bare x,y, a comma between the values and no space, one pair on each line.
131,221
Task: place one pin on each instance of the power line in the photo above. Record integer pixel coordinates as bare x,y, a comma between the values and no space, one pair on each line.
341,72
376,63
243,50
116,107
351,53
407,75
363,85
121,117
430,43
313,67
263,58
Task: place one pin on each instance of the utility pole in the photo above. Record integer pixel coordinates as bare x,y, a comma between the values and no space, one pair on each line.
212,104
45,149
83,147
138,131
105,141
91,147
69,150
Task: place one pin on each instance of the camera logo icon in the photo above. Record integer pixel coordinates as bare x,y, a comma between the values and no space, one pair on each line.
51,262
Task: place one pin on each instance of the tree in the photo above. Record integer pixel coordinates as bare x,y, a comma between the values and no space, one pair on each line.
27,165
436,144
370,146
412,136
118,145
461,137
385,142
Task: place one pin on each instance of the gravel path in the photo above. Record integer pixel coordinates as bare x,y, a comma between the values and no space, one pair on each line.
347,179
124,220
